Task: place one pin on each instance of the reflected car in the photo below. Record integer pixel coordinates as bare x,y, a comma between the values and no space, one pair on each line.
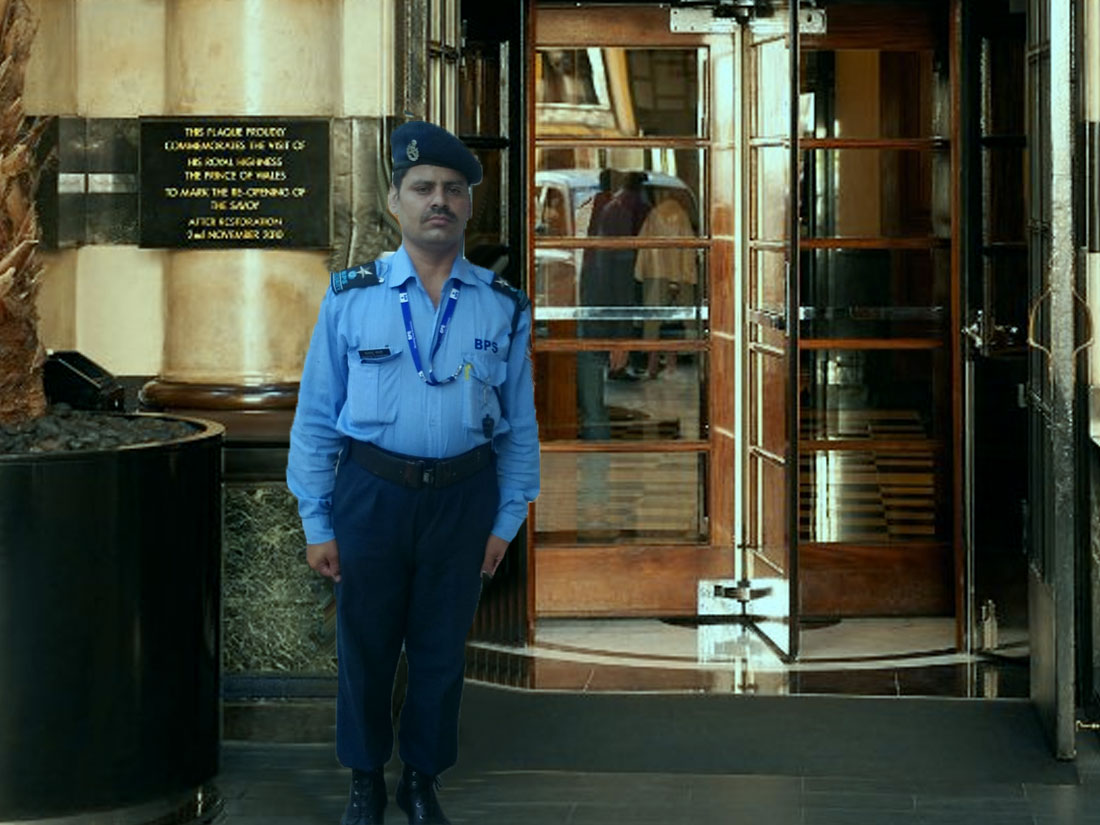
563,204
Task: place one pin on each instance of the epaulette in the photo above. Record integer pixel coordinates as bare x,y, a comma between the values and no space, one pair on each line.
357,276
518,295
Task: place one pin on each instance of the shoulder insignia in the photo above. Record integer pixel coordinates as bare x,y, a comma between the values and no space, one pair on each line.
357,276
517,295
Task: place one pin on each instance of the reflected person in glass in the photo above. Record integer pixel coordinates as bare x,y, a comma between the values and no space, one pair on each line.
607,280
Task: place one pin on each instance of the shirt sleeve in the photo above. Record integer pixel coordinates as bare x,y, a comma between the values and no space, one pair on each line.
517,449
315,443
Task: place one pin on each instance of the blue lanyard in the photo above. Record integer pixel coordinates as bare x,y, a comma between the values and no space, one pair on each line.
414,350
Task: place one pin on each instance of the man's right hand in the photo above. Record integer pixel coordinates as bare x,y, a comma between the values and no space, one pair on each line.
324,558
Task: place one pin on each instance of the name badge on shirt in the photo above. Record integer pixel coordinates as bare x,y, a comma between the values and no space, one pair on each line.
374,354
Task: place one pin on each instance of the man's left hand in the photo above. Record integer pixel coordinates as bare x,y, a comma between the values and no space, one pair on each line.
495,548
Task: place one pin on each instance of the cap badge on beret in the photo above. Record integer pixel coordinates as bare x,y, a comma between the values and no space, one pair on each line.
419,142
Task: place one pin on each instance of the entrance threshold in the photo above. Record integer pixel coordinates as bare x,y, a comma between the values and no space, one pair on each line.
910,657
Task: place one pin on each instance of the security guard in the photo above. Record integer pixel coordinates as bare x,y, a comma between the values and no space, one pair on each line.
413,454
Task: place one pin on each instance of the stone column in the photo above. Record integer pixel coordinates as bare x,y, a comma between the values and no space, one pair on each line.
237,321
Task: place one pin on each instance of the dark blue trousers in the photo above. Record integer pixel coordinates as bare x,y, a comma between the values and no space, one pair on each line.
410,570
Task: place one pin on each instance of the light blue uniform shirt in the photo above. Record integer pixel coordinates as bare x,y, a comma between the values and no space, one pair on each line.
359,381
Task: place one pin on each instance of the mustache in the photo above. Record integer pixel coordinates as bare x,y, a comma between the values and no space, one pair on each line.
442,211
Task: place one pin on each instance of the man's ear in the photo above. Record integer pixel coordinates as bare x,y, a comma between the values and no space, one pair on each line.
391,200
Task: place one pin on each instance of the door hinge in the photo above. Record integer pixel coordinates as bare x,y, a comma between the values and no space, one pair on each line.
700,20
724,16
810,22
716,596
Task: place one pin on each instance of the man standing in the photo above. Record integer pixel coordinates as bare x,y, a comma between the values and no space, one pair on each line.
414,453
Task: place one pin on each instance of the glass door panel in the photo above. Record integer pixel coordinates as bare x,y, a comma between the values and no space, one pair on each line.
626,406
573,181
769,176
625,498
875,293
620,92
769,563
625,283
871,497
768,289
876,338
620,286
867,93
860,193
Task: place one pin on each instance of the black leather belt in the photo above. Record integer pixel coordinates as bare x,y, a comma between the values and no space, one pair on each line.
409,471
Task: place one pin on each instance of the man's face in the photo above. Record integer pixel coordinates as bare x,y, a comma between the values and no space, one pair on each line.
432,206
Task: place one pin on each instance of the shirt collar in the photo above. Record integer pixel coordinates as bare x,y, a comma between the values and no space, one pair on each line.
401,270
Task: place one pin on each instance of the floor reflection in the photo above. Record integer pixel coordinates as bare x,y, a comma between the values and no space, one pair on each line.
871,657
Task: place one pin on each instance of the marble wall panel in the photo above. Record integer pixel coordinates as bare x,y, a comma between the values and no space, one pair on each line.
51,73
57,300
368,57
254,57
278,616
119,295
241,316
120,57
232,317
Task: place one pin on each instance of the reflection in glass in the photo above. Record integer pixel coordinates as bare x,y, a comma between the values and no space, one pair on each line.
600,395
622,498
573,185
768,412
871,497
866,193
1006,218
571,76
615,92
1004,272
867,93
894,489
874,395
770,173
874,293
770,558
771,114
768,287
657,289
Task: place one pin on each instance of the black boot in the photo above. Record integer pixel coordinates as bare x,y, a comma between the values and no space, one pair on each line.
416,797
367,801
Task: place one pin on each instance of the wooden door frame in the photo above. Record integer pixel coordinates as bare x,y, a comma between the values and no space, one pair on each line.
588,580
907,27
903,27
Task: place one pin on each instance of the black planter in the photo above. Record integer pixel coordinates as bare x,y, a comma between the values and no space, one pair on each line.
109,624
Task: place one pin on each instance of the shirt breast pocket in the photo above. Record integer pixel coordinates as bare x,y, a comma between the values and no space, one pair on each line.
373,382
481,379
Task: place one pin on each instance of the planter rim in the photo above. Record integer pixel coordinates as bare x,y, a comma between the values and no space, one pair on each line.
208,429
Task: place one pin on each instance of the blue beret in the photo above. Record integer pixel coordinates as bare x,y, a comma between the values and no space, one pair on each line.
417,142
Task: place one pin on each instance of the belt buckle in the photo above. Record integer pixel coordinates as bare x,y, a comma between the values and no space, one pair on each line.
412,474
427,474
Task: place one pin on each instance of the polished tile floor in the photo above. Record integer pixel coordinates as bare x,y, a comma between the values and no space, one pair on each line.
284,783
269,784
